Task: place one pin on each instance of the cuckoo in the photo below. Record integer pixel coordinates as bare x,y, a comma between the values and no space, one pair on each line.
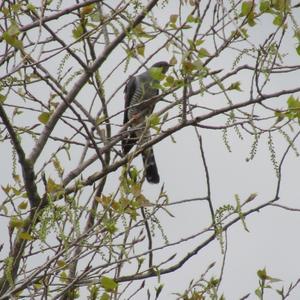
139,89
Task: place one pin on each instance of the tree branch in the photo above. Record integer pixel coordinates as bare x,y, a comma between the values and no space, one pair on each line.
40,144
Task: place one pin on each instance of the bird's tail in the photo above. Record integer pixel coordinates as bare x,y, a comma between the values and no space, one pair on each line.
151,171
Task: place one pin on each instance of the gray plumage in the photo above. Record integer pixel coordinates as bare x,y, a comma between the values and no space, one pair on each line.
139,89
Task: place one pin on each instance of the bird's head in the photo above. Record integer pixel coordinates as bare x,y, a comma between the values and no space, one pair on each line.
162,64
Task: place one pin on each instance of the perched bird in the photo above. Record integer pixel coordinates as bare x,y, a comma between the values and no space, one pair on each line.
139,89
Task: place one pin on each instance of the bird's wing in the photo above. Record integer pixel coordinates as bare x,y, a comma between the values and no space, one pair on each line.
129,91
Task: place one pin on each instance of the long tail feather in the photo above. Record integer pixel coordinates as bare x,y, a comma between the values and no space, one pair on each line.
151,171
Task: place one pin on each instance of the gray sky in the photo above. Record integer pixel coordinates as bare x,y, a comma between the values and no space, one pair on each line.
272,241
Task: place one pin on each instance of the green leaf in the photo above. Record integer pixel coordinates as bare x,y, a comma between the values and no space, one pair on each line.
44,117
2,98
199,42
136,189
293,103
26,236
139,31
250,20
31,7
53,187
61,263
188,66
262,274
247,10
6,189
4,209
158,290
173,18
298,50
106,201
244,33
278,21
12,40
108,284
235,86
247,7
169,81
202,52
105,296
5,11
23,205
154,121
280,116
63,277
96,16
273,280
110,226
100,120
11,36
238,210
13,29
192,19
16,7
133,173
156,73
16,222
17,192
142,201
140,49
38,285
265,6
297,34
280,5
77,31
87,9
258,293
191,44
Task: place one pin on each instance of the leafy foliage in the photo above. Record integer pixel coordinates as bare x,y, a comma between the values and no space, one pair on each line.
78,216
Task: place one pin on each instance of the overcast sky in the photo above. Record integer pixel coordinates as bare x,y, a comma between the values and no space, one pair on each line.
273,239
